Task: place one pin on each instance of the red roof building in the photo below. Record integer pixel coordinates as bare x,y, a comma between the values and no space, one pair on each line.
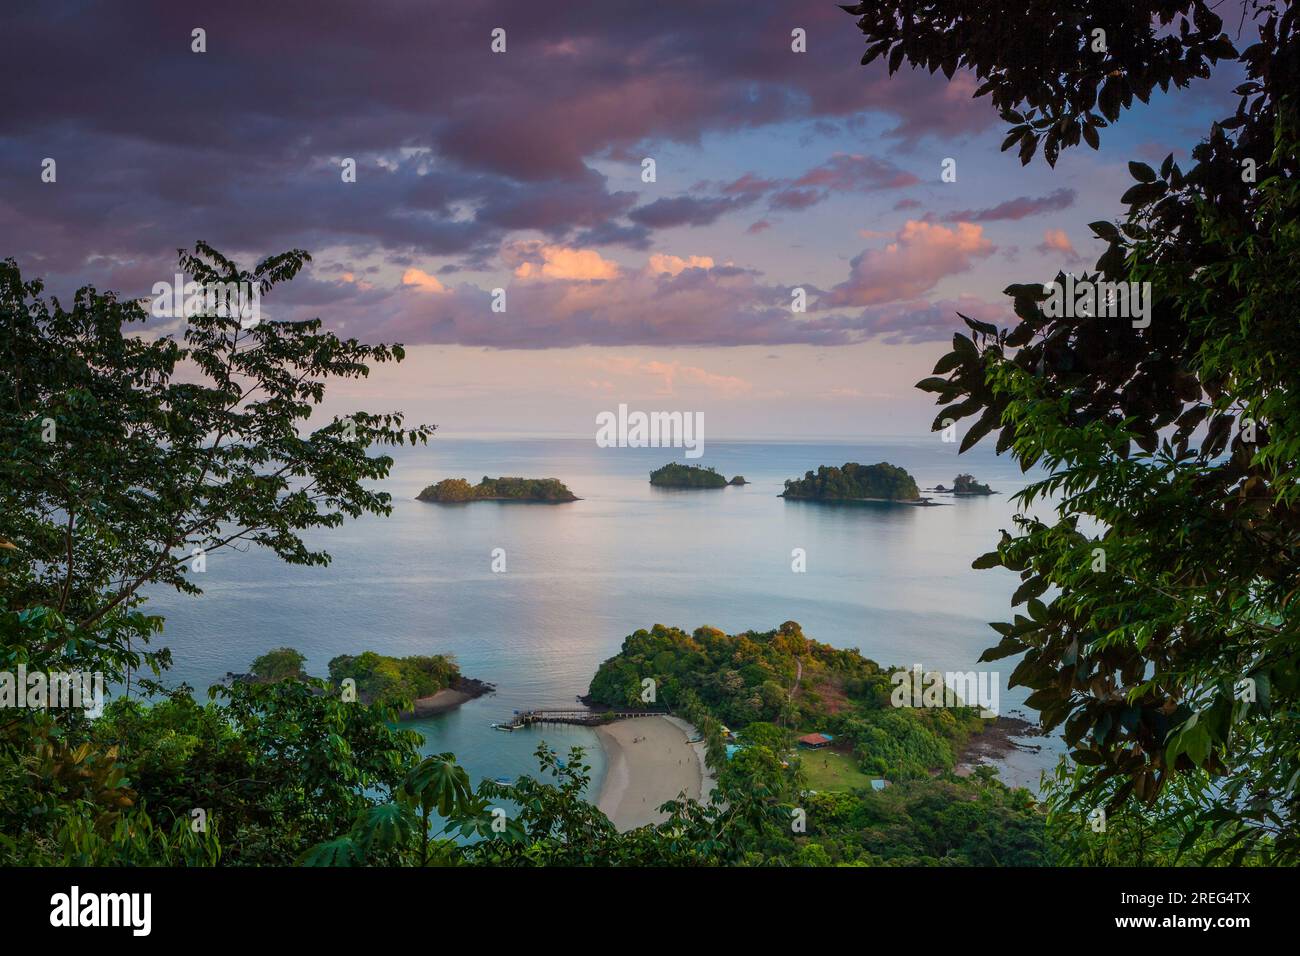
815,741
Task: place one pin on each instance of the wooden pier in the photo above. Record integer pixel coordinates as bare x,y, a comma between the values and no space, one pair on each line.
579,716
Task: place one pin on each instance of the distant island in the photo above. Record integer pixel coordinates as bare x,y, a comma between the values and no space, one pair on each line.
676,475
422,685
432,683
456,490
854,482
966,485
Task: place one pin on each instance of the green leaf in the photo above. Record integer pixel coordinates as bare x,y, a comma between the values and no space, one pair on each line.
1143,193
1004,648
964,346
946,364
987,328
987,422
340,852
1142,172
1029,589
934,384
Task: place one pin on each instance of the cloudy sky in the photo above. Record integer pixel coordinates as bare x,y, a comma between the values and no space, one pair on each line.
523,171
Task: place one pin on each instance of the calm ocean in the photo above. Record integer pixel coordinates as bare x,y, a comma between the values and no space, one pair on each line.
893,581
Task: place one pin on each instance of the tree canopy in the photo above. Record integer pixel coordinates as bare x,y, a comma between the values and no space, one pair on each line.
129,459
1159,629
452,490
855,481
677,475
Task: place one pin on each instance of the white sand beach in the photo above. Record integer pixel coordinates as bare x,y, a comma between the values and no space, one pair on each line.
649,761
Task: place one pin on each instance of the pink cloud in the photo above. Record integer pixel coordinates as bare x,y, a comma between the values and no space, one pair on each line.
1056,241
748,185
674,265
921,255
671,300
415,277
536,260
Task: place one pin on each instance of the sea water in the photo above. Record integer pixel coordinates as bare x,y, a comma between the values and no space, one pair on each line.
893,581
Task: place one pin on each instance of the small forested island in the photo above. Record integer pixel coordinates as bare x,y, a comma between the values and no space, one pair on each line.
391,679
426,684
817,727
433,683
854,482
456,490
676,475
967,485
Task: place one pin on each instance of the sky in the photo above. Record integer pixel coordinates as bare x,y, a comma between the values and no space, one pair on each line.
526,171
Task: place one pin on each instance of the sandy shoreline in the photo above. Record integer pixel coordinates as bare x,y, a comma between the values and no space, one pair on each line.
449,698
649,761
441,702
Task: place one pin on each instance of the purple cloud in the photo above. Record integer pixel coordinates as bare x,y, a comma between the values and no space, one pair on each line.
1018,208
684,211
456,147
844,172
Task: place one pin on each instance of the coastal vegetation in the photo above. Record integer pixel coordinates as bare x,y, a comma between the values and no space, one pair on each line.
768,688
884,482
394,680
783,678
454,490
269,771
127,458
283,663
677,475
146,468
1156,626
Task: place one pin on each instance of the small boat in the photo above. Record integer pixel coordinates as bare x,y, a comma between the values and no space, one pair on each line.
503,727
504,781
